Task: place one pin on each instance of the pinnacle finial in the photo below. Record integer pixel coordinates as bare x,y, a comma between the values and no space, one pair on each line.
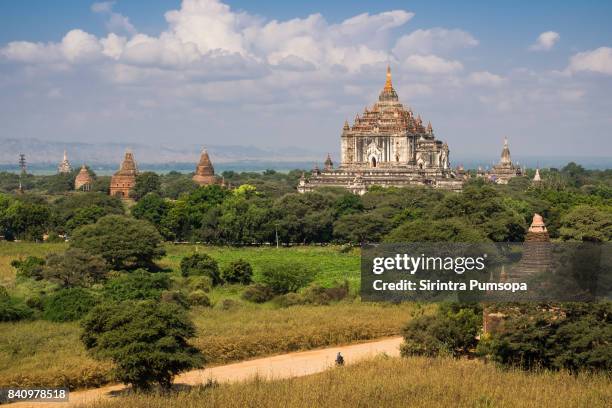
388,83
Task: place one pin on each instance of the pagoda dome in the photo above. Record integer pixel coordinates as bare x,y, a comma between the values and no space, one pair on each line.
83,180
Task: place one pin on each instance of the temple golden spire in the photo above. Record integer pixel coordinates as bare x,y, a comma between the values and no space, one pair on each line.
388,84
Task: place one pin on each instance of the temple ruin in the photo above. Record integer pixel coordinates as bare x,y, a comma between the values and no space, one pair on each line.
125,178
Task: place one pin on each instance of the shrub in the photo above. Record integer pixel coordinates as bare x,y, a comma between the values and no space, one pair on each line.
319,295
203,283
290,299
75,267
239,271
451,331
146,340
228,304
68,304
574,336
31,267
35,302
201,265
175,296
258,293
137,285
198,298
12,310
284,278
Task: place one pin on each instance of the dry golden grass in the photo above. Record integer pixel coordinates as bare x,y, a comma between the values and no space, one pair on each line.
394,382
15,250
50,354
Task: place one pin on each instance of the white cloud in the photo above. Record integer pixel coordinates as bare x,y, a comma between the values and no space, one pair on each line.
116,23
485,78
434,40
431,64
598,60
546,41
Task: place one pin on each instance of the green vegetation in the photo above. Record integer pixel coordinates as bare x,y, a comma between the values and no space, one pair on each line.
201,265
451,331
67,305
40,353
238,271
147,341
415,382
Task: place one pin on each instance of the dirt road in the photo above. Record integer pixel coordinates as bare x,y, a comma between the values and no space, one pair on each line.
282,366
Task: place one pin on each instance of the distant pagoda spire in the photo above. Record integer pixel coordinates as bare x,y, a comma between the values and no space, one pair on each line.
329,164
537,178
64,167
505,155
388,82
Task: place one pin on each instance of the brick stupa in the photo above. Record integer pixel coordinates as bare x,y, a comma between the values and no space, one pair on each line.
205,172
83,180
125,178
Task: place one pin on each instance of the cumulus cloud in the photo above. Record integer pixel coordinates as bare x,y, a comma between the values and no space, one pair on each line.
598,60
432,64
434,40
545,41
117,22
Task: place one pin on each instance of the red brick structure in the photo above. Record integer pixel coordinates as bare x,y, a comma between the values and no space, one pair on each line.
205,172
83,180
125,178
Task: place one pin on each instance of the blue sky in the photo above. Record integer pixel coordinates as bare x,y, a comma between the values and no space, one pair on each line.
288,73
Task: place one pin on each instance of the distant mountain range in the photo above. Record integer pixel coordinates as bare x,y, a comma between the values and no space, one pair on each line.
43,152
43,157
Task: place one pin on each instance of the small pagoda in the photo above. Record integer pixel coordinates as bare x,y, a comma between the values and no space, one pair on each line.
125,178
83,180
64,167
205,172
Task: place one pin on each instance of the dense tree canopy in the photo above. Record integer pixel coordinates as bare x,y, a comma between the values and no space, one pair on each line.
121,241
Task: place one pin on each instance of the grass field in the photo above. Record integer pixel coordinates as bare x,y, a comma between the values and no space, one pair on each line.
42,353
15,250
395,382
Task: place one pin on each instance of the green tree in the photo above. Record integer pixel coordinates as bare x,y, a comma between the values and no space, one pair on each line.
587,223
75,267
358,228
78,209
30,267
25,219
452,230
121,241
153,208
286,277
146,182
146,340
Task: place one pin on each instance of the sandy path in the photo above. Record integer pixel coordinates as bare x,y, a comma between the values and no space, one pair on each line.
282,366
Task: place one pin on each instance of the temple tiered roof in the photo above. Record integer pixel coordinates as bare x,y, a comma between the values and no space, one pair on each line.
64,167
387,116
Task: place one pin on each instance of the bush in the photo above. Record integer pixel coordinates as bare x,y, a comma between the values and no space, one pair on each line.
290,299
239,271
175,296
146,340
12,310
35,302
574,336
137,285
451,331
68,304
75,267
201,265
258,293
198,298
31,267
285,278
203,283
318,295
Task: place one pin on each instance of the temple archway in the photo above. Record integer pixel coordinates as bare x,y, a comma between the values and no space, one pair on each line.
373,162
